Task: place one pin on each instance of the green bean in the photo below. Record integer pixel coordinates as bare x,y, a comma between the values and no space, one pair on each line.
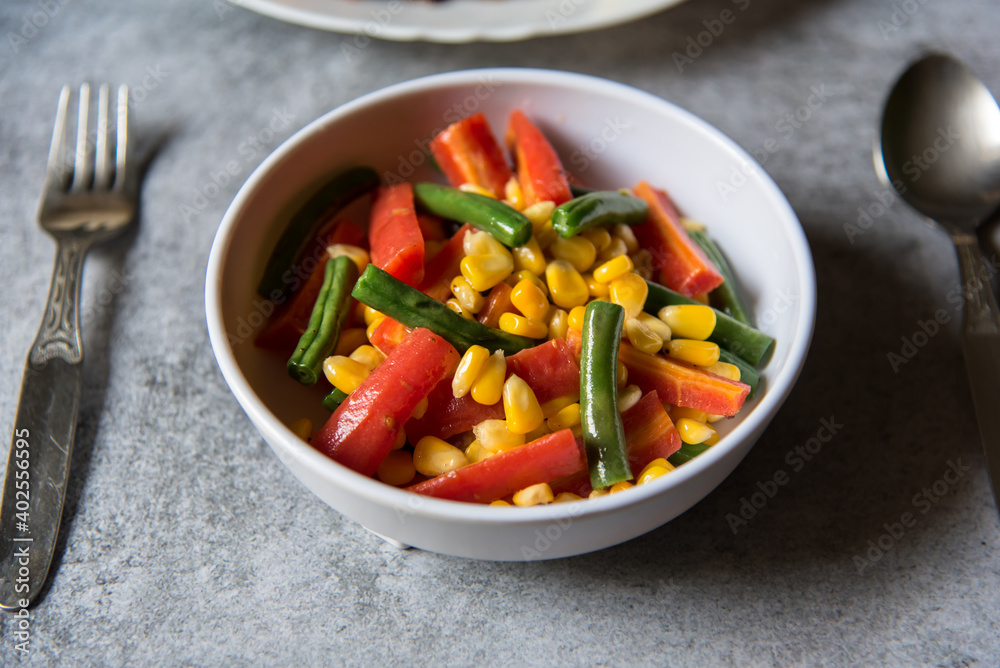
508,225
726,295
601,207
383,292
333,400
687,453
603,433
333,304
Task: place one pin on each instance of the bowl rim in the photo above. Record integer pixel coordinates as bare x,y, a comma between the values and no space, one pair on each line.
374,491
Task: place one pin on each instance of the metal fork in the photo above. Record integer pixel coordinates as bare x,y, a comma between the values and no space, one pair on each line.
88,197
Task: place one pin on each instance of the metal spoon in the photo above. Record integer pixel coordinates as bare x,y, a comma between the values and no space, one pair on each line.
941,151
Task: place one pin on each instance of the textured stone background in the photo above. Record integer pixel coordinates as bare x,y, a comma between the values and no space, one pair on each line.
186,542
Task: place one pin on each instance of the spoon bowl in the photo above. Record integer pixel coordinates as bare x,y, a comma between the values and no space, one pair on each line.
940,150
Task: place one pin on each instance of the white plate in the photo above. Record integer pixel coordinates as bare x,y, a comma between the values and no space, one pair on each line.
456,21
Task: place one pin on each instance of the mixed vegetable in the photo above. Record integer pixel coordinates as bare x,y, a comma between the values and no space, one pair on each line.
510,338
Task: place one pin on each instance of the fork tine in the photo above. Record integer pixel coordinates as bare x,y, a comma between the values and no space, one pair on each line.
121,141
102,174
57,169
83,167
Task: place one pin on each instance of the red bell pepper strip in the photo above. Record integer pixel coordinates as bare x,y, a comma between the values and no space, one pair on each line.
683,384
388,334
539,170
550,370
397,245
681,264
543,460
497,303
287,324
362,430
467,152
431,227
649,434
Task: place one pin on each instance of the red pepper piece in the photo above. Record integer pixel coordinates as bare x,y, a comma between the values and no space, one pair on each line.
539,170
467,152
397,245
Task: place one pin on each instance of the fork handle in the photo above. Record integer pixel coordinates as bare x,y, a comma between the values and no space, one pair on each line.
42,443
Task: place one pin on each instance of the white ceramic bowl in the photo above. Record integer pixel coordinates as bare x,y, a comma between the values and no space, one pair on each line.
609,135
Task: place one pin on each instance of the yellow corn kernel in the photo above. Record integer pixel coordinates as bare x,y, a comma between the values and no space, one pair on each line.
565,418
713,439
518,324
520,406
468,369
400,440
475,452
598,236
539,213
596,493
344,373
622,374
553,406
303,428
651,473
481,242
595,287
567,497
485,271
476,189
566,286
514,194
642,337
656,325
642,260
620,487
711,418
703,298
625,233
420,409
467,296
487,389
525,275
681,412
350,339
616,248
575,318
371,315
535,495
530,300
576,250
699,353
432,456
367,355
726,370
535,434
629,291
529,257
689,321
359,256
545,235
558,323
455,306
659,462
397,468
499,502
371,328
495,436
693,432
613,268
628,398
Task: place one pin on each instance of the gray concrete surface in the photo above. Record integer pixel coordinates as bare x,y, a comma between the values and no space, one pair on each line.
187,543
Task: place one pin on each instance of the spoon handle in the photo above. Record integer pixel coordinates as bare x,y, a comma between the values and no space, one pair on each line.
981,338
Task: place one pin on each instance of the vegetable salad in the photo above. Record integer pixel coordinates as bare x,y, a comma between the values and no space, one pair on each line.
512,337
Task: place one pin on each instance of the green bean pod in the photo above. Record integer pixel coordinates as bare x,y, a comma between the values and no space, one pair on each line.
687,453
305,223
726,295
333,400
508,225
749,343
748,374
603,433
383,292
333,305
600,207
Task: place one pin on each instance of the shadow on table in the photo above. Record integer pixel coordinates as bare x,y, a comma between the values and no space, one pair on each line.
97,321
903,463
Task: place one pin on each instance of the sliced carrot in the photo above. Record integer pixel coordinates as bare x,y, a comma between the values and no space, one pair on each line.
539,170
